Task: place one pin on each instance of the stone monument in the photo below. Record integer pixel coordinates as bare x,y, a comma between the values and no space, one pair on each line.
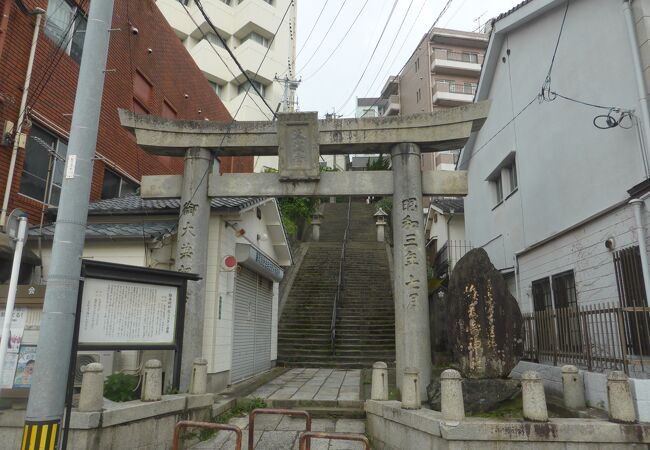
485,329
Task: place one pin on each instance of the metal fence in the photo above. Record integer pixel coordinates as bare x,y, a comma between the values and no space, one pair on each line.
594,337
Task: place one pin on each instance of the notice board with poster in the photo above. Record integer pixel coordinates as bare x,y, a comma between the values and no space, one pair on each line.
124,307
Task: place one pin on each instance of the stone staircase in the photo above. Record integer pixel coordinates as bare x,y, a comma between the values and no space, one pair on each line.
365,315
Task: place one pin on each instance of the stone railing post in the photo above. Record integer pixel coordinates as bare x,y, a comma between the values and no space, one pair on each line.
379,390
573,388
619,395
92,388
316,220
411,388
534,398
152,381
452,405
199,378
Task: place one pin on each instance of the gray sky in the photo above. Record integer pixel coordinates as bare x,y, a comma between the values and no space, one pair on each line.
328,87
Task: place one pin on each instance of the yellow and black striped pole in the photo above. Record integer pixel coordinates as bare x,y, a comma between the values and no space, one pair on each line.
41,435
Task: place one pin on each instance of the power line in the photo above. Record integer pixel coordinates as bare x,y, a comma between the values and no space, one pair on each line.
199,5
187,11
312,29
339,44
546,87
325,35
390,15
390,49
435,22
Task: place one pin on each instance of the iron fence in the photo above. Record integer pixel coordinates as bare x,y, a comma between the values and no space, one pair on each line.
594,337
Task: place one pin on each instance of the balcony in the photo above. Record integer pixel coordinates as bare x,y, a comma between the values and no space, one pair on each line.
453,94
391,106
456,63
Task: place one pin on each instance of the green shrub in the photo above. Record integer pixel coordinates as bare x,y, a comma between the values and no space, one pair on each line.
120,387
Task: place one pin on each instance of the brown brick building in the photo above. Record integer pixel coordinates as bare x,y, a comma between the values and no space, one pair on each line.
148,71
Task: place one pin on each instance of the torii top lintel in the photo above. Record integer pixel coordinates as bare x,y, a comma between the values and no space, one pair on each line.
444,129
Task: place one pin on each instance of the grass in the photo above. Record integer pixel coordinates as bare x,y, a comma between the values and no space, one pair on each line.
510,409
243,408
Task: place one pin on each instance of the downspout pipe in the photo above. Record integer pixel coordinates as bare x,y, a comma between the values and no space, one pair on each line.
638,72
21,117
637,205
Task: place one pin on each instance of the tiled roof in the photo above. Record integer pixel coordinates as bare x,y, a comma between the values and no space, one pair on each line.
147,230
447,204
133,204
511,10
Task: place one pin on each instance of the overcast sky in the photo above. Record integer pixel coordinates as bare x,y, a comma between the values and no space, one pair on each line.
331,86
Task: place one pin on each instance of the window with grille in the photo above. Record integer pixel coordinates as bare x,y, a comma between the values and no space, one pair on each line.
43,166
633,299
66,26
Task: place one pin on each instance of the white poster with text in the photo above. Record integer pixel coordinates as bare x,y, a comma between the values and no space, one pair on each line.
16,330
122,312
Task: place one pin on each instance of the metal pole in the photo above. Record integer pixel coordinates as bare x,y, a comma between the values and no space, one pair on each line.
13,283
47,395
21,117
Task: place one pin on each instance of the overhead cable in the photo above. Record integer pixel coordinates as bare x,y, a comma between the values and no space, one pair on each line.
390,15
325,35
304,44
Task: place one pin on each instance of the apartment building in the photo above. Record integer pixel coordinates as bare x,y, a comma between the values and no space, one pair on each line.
248,27
442,72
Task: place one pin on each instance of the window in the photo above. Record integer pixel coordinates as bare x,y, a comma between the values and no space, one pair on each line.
512,172
257,38
217,88
418,95
43,167
498,188
66,26
417,64
632,297
247,86
142,88
558,295
115,186
214,40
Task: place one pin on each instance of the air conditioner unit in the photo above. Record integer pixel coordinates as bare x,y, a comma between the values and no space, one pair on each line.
84,358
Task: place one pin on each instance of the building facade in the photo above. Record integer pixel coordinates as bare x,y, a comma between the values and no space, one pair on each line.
139,77
261,34
442,72
558,186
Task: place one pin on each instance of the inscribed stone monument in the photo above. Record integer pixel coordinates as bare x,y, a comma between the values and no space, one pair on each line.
485,323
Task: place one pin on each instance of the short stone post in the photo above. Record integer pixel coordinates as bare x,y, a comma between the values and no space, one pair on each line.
199,378
379,390
411,388
380,221
451,396
573,388
152,381
619,395
534,398
92,388
316,220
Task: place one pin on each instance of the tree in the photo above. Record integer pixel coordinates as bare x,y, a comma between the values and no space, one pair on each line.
380,163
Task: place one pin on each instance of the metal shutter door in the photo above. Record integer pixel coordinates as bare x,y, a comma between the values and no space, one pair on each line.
243,346
263,325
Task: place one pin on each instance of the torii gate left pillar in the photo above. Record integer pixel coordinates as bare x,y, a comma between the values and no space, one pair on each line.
298,138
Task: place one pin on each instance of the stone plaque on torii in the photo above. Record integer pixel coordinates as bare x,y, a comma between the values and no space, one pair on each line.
299,139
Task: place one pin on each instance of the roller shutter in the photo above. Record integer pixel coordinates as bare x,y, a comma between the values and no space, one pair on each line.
252,325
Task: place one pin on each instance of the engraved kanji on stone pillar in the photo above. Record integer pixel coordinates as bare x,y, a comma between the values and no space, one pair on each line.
298,146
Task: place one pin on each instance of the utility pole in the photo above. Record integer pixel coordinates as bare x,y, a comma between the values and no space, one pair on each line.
290,86
47,396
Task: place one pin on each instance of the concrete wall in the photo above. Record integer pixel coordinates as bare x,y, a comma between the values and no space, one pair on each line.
391,428
567,169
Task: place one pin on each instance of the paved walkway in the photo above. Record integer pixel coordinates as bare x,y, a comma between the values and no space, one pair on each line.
312,384
281,433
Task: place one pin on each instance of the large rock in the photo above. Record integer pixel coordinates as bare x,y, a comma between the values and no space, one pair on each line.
484,320
478,395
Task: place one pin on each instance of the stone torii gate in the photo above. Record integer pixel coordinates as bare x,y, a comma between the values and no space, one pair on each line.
299,139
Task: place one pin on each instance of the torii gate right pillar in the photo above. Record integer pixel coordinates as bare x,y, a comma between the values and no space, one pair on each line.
412,337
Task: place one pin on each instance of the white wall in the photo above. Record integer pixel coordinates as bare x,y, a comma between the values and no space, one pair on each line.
567,169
